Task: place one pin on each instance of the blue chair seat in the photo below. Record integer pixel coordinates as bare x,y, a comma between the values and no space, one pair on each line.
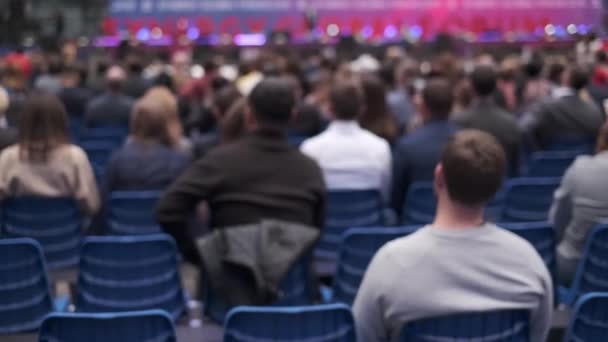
528,199
589,321
133,212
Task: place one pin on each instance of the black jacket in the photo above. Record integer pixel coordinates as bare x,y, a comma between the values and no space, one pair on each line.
245,265
257,177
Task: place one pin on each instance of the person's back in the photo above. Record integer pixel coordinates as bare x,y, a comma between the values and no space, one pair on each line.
351,157
485,115
111,108
43,163
149,160
460,263
258,177
566,115
580,203
416,155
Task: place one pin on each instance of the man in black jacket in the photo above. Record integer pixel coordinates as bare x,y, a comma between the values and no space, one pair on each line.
566,115
485,115
258,177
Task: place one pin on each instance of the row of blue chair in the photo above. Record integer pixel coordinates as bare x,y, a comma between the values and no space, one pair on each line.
116,274
57,223
326,323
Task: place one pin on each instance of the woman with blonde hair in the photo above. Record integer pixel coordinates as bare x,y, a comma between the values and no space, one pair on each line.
149,160
580,203
168,103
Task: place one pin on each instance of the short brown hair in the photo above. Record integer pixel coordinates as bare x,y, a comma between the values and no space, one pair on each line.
346,100
474,165
150,122
43,126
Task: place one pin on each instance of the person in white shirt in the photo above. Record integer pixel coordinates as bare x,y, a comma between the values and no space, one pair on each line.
351,157
460,263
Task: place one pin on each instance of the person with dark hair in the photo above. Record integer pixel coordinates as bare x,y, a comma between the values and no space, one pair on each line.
536,88
260,176
376,116
50,80
112,107
135,84
484,114
151,158
351,157
566,115
460,263
397,97
417,154
579,205
43,162
74,96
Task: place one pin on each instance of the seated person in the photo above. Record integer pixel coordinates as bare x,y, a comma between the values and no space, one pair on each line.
580,203
351,157
111,108
416,155
259,176
150,159
460,263
43,162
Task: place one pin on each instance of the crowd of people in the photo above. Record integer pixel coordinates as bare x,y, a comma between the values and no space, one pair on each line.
270,138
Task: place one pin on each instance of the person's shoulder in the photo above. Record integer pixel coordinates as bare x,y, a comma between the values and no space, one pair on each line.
313,143
519,247
10,152
73,150
372,140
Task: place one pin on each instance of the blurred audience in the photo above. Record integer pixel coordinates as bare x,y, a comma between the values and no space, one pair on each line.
8,135
112,108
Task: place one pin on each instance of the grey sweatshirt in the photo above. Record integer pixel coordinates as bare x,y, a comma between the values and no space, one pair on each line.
436,272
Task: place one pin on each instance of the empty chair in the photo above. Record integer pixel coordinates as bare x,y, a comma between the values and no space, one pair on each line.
347,209
296,289
24,288
495,326
550,164
138,326
592,272
589,321
129,273
327,323
420,204
132,212
528,199
359,245
54,222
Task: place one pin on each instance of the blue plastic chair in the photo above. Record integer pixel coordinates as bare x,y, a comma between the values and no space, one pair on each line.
347,209
327,323
25,297
420,204
132,212
151,325
297,289
54,222
495,326
99,154
528,199
572,143
130,273
114,134
592,272
550,164
589,321
359,245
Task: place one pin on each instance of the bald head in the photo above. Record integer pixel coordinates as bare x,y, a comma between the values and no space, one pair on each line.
115,78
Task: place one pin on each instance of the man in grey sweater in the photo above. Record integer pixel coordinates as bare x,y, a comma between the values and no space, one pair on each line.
460,263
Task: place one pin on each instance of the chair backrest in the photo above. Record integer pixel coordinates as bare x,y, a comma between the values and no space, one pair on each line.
588,321
24,289
106,133
550,164
99,153
56,223
495,326
347,209
420,204
541,235
359,245
132,212
528,199
572,143
326,323
129,273
592,272
296,289
151,325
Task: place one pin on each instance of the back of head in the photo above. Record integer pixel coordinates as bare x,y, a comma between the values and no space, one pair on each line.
483,79
374,93
272,102
225,98
43,126
578,77
115,78
150,122
473,166
438,98
346,100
